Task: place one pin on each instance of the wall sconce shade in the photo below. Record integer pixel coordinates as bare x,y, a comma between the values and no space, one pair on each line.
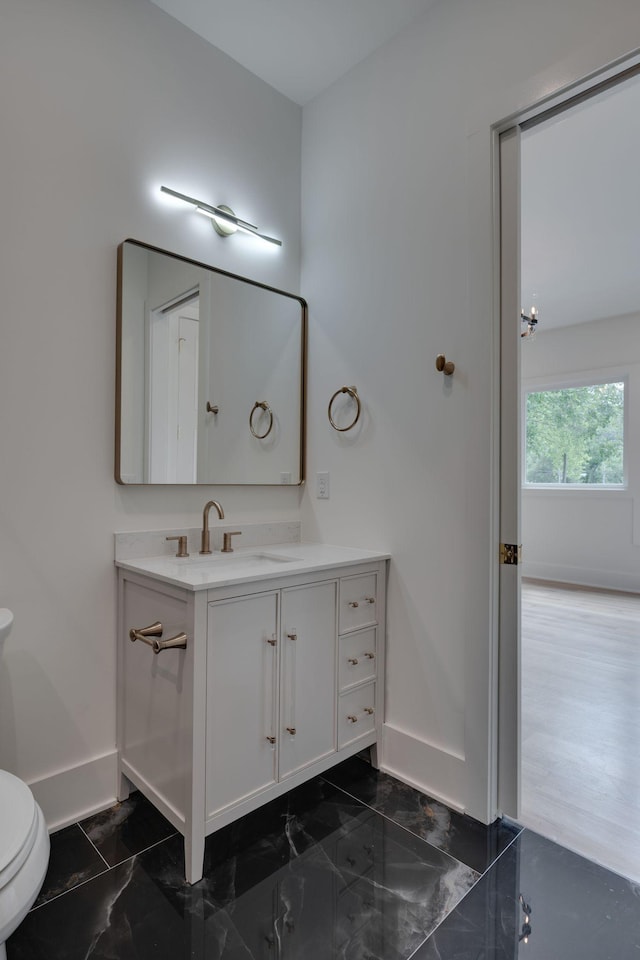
223,219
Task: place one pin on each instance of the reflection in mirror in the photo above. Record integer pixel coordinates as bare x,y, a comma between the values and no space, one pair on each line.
210,374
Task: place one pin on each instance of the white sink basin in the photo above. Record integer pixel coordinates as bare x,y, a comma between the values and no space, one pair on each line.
233,559
198,568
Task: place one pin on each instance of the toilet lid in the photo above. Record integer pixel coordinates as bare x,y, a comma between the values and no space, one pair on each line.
17,813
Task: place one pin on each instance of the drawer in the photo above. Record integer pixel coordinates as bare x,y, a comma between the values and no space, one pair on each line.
356,714
357,658
357,602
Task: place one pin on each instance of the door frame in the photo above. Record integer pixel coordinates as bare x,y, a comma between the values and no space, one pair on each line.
505,702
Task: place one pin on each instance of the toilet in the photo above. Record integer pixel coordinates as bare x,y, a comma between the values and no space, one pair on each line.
24,842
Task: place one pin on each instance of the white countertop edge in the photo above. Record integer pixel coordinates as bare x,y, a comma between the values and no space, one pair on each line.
307,558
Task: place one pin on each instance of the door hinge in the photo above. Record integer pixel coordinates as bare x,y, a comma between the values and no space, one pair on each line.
510,553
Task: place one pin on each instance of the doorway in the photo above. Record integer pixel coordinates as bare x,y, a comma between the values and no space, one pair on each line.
173,350
570,613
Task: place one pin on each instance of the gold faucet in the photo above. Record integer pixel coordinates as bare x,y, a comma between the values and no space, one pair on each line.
205,546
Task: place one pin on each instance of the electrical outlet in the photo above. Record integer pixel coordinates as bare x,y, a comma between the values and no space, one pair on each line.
322,485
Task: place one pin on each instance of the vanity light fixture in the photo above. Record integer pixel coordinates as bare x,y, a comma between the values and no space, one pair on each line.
223,219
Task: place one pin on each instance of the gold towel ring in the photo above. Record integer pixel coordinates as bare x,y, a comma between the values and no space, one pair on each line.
261,405
353,393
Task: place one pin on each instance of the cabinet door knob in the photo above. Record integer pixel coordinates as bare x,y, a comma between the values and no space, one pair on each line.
353,660
271,739
369,599
272,641
353,603
368,710
292,731
370,656
292,636
352,719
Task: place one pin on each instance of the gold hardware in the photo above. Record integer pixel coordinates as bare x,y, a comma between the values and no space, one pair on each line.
226,538
272,641
444,366
510,554
368,710
271,739
145,633
182,545
292,731
354,603
205,545
179,642
261,405
370,656
352,719
353,393
292,636
150,634
212,409
353,660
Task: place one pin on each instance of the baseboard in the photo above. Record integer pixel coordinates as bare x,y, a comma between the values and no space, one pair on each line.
78,792
581,576
424,766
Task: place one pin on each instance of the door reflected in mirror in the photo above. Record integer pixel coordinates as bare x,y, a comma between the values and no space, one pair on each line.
210,374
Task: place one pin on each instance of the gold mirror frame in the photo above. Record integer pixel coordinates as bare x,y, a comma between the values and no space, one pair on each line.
294,408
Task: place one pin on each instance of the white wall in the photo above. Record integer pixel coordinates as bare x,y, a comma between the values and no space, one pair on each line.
100,103
397,267
588,537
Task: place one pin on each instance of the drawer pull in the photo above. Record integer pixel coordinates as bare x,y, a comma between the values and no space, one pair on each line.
270,740
352,719
370,656
353,603
369,710
353,660
292,731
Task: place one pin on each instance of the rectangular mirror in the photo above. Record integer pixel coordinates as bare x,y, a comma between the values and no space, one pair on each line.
210,374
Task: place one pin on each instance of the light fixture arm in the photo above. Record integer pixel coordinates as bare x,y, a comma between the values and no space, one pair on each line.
221,213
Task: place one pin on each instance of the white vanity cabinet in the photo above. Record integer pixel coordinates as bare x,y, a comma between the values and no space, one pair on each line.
271,692
280,679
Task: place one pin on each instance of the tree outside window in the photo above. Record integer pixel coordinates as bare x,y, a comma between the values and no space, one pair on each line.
575,435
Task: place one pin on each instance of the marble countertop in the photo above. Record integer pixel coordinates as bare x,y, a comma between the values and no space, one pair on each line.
246,564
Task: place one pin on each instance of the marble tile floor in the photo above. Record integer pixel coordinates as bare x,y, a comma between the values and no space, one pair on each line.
353,866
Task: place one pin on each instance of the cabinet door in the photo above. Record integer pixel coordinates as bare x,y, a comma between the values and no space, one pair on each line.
242,676
308,676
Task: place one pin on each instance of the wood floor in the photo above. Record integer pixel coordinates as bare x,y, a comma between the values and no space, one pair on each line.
580,744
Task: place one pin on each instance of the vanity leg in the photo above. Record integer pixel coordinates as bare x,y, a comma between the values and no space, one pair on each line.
124,787
373,756
194,855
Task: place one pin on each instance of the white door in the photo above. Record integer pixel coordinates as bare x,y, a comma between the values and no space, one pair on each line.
242,678
308,676
173,393
509,581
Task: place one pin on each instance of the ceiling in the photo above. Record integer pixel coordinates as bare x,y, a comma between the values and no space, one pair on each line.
580,213
300,47
580,187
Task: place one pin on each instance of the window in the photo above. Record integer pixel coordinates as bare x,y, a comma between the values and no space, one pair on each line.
575,436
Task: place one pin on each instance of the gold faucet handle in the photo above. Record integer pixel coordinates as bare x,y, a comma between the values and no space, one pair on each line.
182,545
226,540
